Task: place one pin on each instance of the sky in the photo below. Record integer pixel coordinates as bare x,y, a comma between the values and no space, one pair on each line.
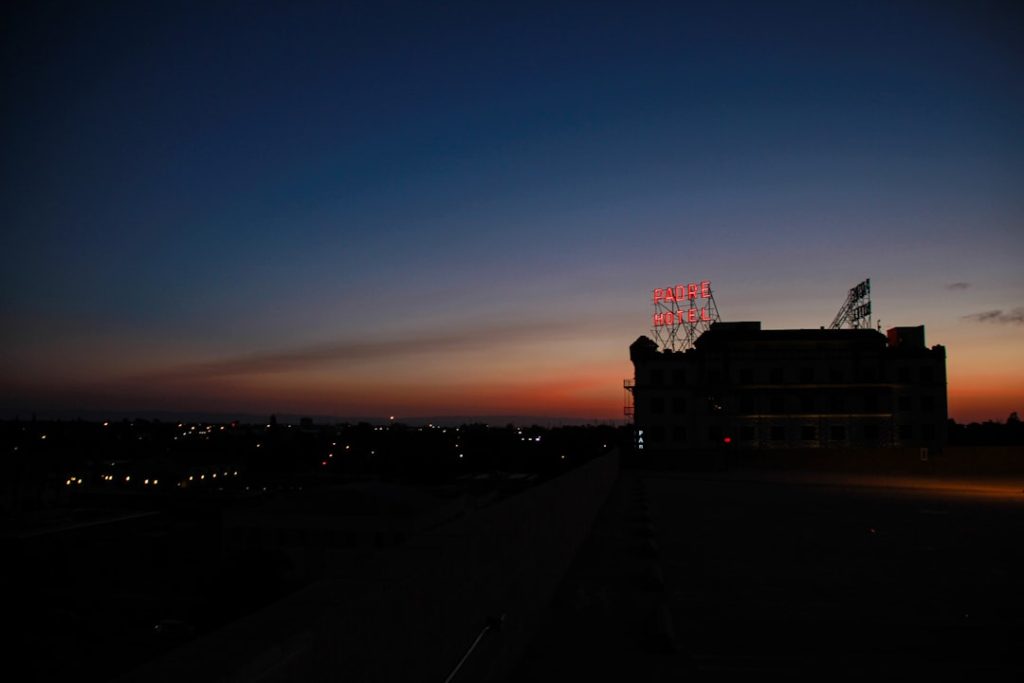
461,208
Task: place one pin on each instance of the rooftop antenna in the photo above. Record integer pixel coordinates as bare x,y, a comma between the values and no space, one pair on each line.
855,313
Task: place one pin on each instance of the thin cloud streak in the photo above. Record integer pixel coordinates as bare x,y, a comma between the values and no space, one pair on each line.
997,316
414,343
958,286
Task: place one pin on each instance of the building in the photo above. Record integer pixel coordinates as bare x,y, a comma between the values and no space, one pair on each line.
744,387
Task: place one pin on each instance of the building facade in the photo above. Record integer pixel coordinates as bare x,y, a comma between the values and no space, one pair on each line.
744,387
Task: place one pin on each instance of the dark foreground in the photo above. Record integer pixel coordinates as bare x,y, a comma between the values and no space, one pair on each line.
716,577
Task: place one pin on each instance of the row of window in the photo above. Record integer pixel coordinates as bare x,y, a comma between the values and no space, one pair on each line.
806,403
834,433
804,375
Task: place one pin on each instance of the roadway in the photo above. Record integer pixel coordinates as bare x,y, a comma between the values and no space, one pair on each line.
803,575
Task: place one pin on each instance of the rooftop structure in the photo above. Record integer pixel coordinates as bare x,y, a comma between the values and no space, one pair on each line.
742,386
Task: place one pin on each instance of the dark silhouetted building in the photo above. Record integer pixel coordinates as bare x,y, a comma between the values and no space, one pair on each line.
744,387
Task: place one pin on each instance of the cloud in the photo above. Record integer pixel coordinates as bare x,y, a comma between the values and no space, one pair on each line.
1014,317
491,337
958,286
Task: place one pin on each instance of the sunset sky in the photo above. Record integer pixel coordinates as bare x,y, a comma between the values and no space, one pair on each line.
425,209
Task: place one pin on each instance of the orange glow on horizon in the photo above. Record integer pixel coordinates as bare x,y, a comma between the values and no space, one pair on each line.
573,378
980,403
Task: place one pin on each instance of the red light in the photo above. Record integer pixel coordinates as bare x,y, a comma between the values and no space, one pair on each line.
727,439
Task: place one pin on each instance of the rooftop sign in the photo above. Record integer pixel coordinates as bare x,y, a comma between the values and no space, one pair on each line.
682,313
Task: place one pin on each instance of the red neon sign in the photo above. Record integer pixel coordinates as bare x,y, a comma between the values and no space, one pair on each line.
683,315
682,294
687,292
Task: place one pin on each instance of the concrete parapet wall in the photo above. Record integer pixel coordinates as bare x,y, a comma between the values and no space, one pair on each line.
416,608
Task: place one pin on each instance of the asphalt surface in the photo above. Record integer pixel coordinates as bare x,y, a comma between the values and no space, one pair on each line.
797,576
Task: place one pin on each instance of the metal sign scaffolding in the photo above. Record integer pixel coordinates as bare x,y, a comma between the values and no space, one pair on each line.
855,313
681,314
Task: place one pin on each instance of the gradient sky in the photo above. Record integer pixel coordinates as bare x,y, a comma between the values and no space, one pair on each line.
461,208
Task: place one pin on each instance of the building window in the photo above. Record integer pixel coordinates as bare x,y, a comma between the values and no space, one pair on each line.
714,376
777,404
906,432
927,403
657,433
806,403
715,434
657,377
806,375
836,375
776,376
871,432
838,403
903,402
777,433
746,404
678,405
808,433
746,375
903,374
657,405
678,378
837,433
679,434
870,402
927,432
926,375
747,433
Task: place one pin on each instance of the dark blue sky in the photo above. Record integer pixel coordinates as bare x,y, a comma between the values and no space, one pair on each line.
190,184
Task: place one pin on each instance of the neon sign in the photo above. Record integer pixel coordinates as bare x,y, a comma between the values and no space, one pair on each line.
684,292
668,310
